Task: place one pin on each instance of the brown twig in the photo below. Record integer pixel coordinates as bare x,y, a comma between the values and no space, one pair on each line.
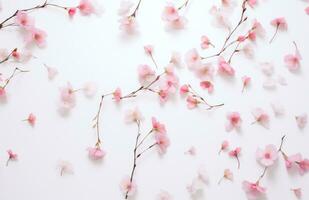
16,70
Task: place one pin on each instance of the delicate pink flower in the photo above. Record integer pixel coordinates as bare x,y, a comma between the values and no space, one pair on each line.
176,59
162,142
184,89
307,10
235,153
193,59
224,146
267,68
127,186
65,167
22,19
133,116
297,192
253,190
261,117
248,51
268,156
278,109
157,126
292,61
22,57
52,72
191,151
234,121
37,36
241,38
228,174
207,85
96,153
125,7
31,119
225,68
117,95
205,42
2,93
280,23
204,71
163,95
252,3
199,182
301,120
145,73
179,23
192,102
170,13
303,166
67,96
72,12
245,82
164,195
148,49
258,29
89,89
12,156
128,24
297,160
221,19
86,7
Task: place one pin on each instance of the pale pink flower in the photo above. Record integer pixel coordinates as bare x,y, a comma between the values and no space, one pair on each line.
224,146
125,7
157,126
278,109
65,167
280,23
117,95
191,151
148,49
225,68
193,59
31,119
198,182
86,7
261,117
301,120
205,42
162,142
184,89
128,24
233,121
176,59
235,154
163,95
192,102
133,116
253,190
90,89
36,36
245,82
2,93
12,156
267,68
297,192
228,3
72,12
164,195
127,186
307,10
258,30
241,38
207,85
221,18
22,19
268,156
228,174
51,72
252,3
297,160
170,13
145,73
292,61
21,57
204,71
67,96
248,51
96,153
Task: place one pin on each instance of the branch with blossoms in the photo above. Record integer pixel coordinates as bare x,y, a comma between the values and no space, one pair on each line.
128,19
128,185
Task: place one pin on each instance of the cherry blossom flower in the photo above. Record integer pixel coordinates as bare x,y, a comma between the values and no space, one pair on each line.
65,167
278,109
233,121
248,51
23,20
162,142
257,29
221,19
12,156
21,57
204,71
198,182
164,195
148,49
157,126
301,120
191,151
224,146
207,85
235,154
297,161
51,72
89,89
292,61
245,82
192,102
176,59
125,7
117,95
36,36
193,59
227,174
297,192
170,13
145,73
31,119
253,190
163,95
205,42
184,89
2,93
128,24
261,117
133,116
86,7
127,186
280,24
225,68
67,97
268,156
72,12
307,10
96,153
267,68
252,3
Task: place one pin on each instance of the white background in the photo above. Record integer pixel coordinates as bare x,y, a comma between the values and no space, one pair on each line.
93,49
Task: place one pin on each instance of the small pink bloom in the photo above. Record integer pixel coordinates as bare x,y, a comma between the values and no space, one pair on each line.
252,3
179,23
307,10
297,192
162,141
176,59
205,42
225,68
96,153
133,116
22,57
204,71
303,166
145,73
261,117
248,51
234,121
22,19
31,119
36,36
228,174
268,156
12,156
192,102
163,95
258,29
65,167
127,186
86,7
224,146
191,151
280,23
301,120
253,190
164,195
241,38
89,89
52,72
170,13
245,81
193,59
290,161
2,93
157,126
72,12
67,96
148,49
221,17
128,24
117,95
207,85
292,61
235,154
184,89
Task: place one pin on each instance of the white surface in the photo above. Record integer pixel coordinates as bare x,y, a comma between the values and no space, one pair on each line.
92,48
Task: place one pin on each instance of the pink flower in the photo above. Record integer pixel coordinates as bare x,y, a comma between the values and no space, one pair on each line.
193,59
133,116
241,38
148,49
245,82
72,12
86,7
280,23
224,146
268,156
127,186
164,195
258,30
228,174
31,119
52,72
96,153
234,121
261,117
205,42
22,57
157,126
12,156
225,68
297,161
2,93
235,153
128,24
179,23
65,167
184,89
36,36
145,73
292,61
162,142
252,3
301,120
163,95
307,10
117,95
207,85
22,19
192,102
67,96
176,59
253,190
297,192
89,89
170,13
204,71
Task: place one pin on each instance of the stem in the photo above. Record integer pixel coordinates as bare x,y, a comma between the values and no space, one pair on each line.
145,150
153,60
8,56
220,180
262,175
183,5
273,37
281,144
144,138
233,53
238,162
7,162
12,75
136,9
